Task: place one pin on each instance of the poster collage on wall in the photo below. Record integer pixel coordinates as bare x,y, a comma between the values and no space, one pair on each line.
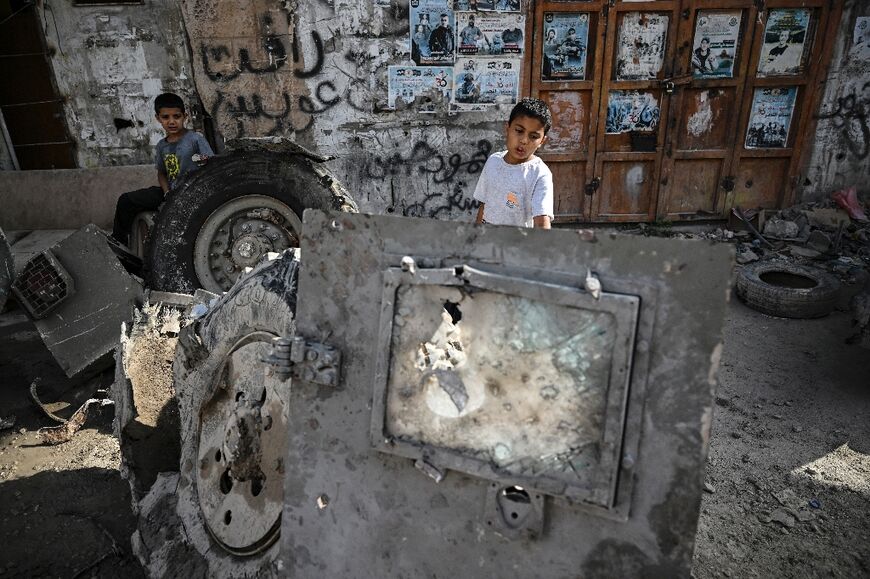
469,51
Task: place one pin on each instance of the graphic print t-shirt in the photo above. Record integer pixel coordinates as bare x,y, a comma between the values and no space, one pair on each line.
174,159
514,194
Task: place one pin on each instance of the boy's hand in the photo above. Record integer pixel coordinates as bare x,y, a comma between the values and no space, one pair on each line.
199,159
542,221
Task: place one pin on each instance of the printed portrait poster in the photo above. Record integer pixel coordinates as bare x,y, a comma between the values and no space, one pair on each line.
786,42
641,45
490,34
714,47
770,118
631,110
499,5
861,38
566,37
406,83
482,82
464,5
432,39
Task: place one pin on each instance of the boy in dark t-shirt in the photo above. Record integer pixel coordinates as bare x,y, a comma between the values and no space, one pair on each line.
173,160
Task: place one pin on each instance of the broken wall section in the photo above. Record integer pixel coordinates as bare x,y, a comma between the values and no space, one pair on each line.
317,72
840,154
110,61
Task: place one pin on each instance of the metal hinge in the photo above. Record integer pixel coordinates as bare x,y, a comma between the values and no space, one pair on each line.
295,357
592,186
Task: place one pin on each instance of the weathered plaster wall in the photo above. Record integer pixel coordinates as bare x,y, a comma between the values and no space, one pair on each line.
109,63
840,155
317,72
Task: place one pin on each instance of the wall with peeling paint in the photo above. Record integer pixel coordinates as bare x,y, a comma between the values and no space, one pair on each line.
109,63
840,155
304,71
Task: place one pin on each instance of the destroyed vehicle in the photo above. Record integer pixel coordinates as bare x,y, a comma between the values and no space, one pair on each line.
219,221
427,398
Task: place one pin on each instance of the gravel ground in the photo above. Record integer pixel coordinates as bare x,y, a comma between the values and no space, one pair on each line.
790,429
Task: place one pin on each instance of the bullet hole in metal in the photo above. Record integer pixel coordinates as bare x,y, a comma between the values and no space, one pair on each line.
228,517
452,308
322,501
217,456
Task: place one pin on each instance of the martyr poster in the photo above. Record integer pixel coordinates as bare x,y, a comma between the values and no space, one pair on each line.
499,5
406,83
786,42
641,46
490,33
432,38
714,50
566,38
770,118
482,82
631,110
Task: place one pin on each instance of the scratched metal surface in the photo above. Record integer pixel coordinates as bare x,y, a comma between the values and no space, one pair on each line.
352,510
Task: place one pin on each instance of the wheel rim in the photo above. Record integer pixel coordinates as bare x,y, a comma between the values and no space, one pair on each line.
237,234
242,444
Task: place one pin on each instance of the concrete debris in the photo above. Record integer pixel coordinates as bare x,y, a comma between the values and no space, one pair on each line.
819,240
781,229
708,488
7,422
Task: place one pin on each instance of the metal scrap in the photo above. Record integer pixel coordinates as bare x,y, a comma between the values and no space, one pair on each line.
63,433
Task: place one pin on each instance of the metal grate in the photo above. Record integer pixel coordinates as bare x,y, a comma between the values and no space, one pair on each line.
43,285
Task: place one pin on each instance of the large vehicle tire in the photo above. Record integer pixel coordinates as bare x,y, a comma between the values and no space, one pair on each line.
787,290
226,216
220,515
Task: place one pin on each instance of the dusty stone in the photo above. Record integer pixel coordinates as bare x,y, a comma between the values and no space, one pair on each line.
819,241
801,251
782,517
747,256
780,228
708,488
804,516
828,218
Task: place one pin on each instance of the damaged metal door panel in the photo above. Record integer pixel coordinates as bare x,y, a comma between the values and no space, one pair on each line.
78,293
490,406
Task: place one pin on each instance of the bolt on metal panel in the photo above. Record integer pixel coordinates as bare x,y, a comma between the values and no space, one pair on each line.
489,406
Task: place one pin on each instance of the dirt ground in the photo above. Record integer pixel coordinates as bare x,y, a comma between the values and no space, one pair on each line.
790,429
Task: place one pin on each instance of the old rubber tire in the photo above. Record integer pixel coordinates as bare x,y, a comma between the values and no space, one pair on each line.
294,182
787,290
259,306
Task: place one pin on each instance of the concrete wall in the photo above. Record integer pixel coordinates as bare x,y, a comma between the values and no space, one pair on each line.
67,198
109,63
301,70
840,155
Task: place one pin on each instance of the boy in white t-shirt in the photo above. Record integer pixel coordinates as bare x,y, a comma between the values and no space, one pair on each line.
515,186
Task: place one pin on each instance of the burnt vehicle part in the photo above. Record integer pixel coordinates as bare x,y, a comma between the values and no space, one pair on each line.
7,270
223,502
487,401
240,206
79,293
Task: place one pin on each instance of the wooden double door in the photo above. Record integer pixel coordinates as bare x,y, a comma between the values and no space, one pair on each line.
675,109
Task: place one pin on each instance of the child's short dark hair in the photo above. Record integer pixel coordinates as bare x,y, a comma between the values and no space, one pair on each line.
168,100
535,109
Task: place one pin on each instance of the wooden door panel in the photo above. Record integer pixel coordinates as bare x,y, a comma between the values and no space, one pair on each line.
568,198
570,132
708,119
759,182
693,179
630,186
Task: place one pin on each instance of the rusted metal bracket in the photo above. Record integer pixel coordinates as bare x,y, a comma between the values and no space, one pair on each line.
296,357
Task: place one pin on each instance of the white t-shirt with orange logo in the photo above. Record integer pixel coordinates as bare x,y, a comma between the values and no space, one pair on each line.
514,194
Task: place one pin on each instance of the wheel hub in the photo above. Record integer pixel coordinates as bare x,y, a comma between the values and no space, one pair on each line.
237,234
242,443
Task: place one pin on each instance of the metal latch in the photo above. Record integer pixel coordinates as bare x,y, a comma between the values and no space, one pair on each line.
592,186
669,84
296,357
